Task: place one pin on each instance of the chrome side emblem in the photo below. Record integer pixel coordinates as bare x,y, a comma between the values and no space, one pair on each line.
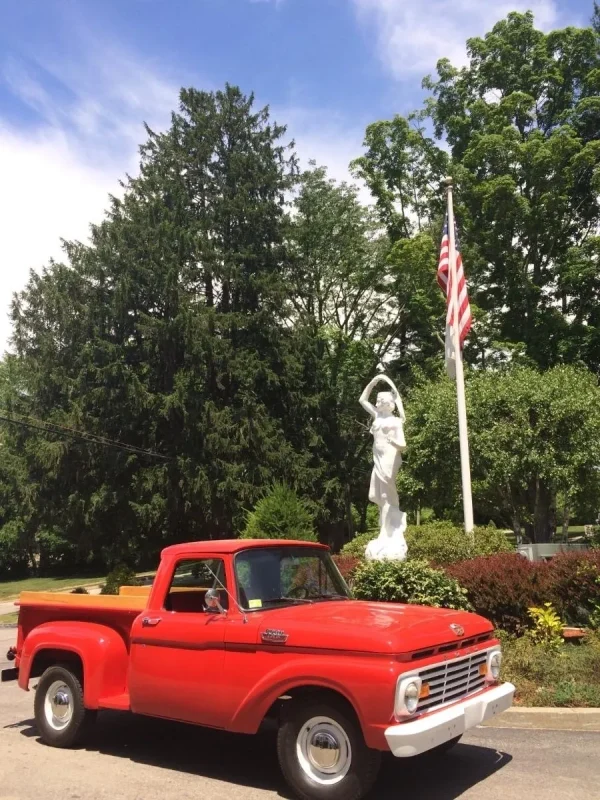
457,629
273,636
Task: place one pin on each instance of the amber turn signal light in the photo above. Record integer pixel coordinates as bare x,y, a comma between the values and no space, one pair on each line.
424,691
483,669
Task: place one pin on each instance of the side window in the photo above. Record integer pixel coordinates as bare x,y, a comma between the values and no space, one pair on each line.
191,580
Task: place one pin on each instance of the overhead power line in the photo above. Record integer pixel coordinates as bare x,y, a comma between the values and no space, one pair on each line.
83,436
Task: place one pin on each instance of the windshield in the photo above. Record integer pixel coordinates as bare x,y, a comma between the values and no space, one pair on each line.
269,577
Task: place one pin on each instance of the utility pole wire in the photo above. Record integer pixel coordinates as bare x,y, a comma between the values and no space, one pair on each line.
90,438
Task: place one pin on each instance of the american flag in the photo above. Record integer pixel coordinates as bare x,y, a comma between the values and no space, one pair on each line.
445,283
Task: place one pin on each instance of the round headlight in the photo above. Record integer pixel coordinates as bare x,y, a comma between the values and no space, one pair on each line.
495,664
411,697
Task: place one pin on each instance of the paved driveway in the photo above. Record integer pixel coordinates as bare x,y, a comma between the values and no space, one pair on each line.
140,759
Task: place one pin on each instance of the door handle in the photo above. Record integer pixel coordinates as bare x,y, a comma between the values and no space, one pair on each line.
150,622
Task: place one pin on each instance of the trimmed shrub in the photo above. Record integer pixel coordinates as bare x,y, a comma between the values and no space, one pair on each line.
357,546
80,590
503,587
441,543
408,582
574,586
490,540
280,514
121,575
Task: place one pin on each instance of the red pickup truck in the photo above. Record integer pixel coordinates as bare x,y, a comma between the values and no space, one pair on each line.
234,632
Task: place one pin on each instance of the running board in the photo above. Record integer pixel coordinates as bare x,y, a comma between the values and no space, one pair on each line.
117,702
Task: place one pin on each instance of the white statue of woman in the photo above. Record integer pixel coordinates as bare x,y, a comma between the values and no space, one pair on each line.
388,444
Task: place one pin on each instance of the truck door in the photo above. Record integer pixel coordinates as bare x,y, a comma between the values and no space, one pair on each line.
177,651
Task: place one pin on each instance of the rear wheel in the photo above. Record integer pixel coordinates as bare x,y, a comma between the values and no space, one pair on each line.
323,755
60,715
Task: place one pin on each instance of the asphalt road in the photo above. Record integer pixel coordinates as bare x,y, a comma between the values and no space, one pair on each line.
142,759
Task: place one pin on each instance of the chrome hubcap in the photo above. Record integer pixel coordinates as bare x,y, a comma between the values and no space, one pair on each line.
323,750
58,705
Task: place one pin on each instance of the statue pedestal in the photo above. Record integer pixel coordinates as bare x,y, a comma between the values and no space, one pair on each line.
392,545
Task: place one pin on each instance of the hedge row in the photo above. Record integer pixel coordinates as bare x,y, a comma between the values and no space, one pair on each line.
415,582
441,543
502,587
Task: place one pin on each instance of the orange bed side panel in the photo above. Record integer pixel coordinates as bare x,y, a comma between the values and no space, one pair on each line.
84,601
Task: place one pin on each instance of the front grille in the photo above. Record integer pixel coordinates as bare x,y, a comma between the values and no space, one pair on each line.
446,648
452,681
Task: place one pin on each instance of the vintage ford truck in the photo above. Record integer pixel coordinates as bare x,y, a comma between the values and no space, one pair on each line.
233,633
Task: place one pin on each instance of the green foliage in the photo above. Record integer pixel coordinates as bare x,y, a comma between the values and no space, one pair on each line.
357,546
13,559
83,590
169,333
442,543
521,123
531,435
230,335
547,626
407,582
121,575
280,514
347,306
566,675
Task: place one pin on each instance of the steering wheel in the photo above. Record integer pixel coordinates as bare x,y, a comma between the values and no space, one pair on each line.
301,592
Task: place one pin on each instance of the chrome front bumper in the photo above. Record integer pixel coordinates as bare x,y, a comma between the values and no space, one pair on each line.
425,733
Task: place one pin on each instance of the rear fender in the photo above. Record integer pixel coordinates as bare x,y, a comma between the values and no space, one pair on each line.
101,649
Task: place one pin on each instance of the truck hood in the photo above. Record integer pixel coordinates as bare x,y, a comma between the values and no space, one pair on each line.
355,625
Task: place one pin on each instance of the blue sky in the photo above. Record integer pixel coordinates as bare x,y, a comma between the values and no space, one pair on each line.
78,77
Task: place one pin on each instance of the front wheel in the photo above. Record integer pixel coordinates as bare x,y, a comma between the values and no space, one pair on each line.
323,755
60,715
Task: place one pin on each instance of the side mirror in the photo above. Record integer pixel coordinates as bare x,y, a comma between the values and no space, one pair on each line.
212,601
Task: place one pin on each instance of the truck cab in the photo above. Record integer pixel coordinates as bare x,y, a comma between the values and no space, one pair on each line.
235,632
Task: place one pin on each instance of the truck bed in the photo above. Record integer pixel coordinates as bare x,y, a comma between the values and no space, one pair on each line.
115,611
133,598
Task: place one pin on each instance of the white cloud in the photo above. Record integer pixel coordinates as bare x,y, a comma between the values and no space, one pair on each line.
412,35
56,176
327,139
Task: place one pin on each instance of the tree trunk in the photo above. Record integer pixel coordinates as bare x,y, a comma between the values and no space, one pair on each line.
418,512
349,521
565,523
544,519
516,524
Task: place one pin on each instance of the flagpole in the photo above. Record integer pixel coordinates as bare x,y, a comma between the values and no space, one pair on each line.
465,467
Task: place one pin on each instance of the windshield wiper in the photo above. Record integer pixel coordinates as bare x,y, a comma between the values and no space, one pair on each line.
328,596
288,600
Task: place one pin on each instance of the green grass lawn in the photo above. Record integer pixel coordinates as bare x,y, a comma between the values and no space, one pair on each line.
9,619
12,589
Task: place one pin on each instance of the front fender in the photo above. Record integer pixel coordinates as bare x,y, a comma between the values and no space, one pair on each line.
363,682
101,649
